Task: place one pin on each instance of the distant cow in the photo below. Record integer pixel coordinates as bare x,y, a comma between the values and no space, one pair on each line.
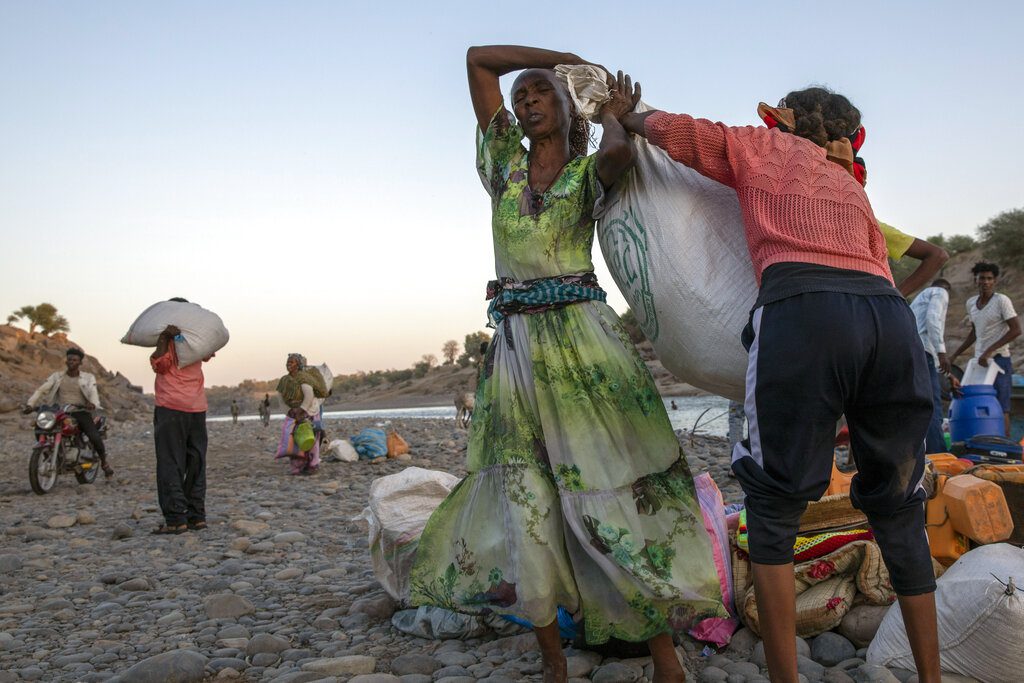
464,403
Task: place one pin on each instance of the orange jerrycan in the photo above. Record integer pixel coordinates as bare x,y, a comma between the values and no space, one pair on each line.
978,509
944,542
947,463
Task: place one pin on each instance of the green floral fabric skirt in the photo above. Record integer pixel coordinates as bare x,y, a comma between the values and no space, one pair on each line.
578,493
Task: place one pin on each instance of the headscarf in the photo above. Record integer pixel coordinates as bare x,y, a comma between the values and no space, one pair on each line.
842,151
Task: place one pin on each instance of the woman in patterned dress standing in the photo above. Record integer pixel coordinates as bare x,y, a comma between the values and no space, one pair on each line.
578,494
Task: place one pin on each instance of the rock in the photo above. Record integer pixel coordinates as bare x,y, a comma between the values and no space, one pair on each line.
234,631
947,678
287,574
180,666
227,606
452,672
339,666
836,676
221,663
121,531
414,664
286,537
712,674
264,642
744,669
136,585
265,659
873,673
581,663
170,618
61,521
380,606
830,648
375,678
861,623
757,655
85,517
10,563
617,672
810,668
250,527
743,641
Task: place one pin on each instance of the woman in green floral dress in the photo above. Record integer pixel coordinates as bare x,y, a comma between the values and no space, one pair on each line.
578,493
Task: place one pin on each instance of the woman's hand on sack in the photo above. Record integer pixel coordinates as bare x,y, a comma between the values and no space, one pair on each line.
624,96
171,331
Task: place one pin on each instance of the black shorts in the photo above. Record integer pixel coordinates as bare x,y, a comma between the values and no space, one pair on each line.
812,358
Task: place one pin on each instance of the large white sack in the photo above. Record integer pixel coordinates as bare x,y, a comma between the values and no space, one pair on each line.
341,450
675,244
400,505
203,330
981,619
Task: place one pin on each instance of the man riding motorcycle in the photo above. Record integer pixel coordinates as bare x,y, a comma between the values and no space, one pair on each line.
78,389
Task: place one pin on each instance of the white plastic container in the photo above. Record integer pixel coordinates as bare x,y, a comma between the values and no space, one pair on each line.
976,374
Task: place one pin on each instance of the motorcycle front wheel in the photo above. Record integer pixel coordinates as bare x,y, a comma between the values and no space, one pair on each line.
42,470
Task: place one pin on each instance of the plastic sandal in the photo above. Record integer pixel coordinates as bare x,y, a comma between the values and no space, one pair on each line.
164,530
197,526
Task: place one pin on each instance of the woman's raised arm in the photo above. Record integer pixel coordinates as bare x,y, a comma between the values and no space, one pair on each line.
486,64
615,153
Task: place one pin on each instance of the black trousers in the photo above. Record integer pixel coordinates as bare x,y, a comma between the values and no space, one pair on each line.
812,358
180,465
88,427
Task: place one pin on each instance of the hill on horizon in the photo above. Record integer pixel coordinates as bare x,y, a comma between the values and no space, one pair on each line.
27,359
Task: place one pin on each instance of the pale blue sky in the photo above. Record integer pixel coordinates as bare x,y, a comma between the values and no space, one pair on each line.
306,168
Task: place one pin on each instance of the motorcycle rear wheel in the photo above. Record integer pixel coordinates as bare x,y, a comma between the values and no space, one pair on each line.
88,476
42,470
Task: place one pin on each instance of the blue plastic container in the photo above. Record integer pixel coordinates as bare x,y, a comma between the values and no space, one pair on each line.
977,413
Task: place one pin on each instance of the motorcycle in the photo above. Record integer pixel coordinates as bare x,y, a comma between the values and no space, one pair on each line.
61,448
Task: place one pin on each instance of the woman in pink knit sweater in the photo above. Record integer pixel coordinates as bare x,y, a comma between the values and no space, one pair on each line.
828,335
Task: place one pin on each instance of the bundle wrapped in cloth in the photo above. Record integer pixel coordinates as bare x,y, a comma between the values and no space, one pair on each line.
202,331
675,244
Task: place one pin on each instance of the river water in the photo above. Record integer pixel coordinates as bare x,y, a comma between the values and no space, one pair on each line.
708,413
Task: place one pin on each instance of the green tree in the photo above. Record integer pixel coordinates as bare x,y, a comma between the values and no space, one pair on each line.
44,316
450,350
954,244
472,353
629,321
423,366
1003,238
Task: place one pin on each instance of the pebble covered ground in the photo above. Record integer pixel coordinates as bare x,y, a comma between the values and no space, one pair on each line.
280,587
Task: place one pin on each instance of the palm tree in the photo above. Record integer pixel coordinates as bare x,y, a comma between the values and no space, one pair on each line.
44,316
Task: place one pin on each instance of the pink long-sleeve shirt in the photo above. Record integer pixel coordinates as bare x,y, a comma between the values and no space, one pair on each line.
797,205
178,388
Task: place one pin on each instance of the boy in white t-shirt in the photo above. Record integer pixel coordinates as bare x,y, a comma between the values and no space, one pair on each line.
994,324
